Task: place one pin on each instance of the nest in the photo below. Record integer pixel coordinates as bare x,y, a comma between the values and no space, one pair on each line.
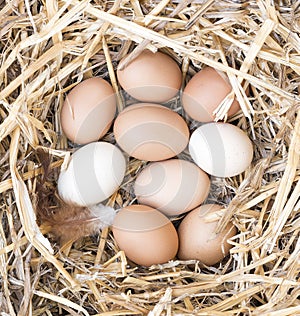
47,47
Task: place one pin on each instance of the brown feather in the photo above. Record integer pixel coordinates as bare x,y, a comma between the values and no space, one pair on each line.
71,222
64,221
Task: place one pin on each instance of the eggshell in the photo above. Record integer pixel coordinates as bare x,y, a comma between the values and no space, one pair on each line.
197,237
151,132
204,93
88,111
145,235
151,77
94,173
221,149
173,186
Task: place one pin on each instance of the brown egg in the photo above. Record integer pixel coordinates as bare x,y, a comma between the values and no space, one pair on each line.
197,237
151,77
88,111
151,132
145,235
173,186
204,93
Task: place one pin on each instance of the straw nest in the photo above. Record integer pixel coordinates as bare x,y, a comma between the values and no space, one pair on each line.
49,46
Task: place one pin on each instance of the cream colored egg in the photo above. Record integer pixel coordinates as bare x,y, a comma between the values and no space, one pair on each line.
221,149
94,173
173,186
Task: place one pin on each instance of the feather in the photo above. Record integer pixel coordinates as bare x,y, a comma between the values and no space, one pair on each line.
66,222
45,160
71,222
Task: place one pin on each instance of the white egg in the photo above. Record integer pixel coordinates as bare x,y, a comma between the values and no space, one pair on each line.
94,173
221,149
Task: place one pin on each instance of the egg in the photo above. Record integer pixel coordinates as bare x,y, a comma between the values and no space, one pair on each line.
221,149
88,111
151,132
145,235
94,173
173,186
198,239
204,93
151,77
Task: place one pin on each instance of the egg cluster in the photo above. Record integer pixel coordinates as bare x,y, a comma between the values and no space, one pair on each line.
150,131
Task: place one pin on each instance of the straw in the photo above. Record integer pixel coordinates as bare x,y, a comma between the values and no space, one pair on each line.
47,48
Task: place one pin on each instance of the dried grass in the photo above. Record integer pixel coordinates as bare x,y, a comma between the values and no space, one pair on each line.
46,48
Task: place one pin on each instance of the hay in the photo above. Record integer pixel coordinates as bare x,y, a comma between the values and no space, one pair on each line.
49,46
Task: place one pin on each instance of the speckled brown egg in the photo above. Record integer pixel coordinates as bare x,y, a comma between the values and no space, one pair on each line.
205,92
145,235
151,77
88,111
151,132
197,237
